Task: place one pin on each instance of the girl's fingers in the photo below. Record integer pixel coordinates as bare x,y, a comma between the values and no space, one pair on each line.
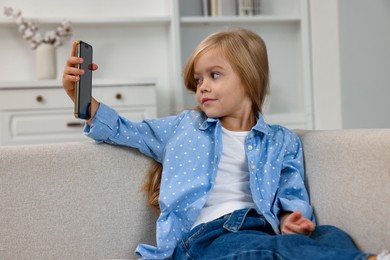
74,47
72,61
295,216
73,78
94,67
304,228
310,227
73,71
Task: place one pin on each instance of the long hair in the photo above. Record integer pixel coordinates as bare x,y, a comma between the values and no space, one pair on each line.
151,187
247,54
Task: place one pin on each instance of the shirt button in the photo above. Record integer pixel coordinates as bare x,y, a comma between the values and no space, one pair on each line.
250,147
253,166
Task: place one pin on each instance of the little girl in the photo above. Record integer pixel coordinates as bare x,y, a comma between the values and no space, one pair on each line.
232,186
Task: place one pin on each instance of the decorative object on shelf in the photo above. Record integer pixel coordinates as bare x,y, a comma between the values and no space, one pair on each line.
256,7
231,7
249,7
245,7
44,45
45,61
219,7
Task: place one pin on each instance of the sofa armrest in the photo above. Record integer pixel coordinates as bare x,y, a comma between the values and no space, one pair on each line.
348,176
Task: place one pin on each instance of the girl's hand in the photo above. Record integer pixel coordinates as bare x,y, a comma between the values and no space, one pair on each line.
295,223
71,73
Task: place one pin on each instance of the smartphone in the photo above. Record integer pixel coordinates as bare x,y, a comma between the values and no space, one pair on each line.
83,88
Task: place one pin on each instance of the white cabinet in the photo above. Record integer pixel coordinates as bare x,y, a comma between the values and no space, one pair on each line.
41,112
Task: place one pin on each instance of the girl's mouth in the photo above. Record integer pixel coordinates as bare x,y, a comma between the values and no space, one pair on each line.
206,101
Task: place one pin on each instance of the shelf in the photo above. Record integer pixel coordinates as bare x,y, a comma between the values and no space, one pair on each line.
96,20
238,19
57,83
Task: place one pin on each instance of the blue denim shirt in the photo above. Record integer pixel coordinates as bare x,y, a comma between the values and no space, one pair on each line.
189,146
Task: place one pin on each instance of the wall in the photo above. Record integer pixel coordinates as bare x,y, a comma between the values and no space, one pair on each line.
365,63
325,64
351,63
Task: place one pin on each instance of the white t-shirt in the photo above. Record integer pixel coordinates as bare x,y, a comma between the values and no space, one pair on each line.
231,189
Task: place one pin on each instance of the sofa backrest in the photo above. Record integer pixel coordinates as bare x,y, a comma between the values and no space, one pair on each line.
82,200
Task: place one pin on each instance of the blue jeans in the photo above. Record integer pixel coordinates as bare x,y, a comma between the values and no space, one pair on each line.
244,234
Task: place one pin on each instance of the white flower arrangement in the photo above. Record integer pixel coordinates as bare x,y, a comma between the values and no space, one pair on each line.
29,30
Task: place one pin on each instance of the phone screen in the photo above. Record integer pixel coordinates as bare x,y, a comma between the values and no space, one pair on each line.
84,85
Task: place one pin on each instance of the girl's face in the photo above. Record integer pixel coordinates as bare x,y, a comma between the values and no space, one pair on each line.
220,93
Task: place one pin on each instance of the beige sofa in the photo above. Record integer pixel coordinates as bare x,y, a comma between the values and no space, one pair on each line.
82,200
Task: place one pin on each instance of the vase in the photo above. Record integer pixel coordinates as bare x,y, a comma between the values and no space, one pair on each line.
46,61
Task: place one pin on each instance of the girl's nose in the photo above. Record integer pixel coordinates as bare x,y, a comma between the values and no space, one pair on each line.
203,87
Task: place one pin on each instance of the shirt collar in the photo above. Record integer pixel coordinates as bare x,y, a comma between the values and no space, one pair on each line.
208,122
261,125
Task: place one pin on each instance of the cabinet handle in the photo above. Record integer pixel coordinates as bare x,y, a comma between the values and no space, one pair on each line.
39,99
118,96
75,124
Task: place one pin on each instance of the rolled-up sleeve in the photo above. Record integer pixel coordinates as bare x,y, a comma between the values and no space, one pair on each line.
103,124
292,194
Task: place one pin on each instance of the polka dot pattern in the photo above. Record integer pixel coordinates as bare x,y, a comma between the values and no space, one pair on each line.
189,146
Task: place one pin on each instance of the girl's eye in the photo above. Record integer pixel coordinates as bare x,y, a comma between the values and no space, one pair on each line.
215,75
198,81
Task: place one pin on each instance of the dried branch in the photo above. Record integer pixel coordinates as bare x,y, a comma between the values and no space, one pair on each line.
29,30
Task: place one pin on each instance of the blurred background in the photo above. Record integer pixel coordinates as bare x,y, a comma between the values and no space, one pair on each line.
329,60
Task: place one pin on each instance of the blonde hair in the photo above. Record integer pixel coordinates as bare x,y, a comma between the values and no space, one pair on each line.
151,187
247,54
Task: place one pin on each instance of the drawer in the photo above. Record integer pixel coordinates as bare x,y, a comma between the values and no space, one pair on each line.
49,98
34,99
53,126
118,96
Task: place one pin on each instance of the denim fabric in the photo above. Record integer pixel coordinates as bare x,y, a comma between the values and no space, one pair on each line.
189,146
246,235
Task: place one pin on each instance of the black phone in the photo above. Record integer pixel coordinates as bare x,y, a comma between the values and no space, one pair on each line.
83,87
